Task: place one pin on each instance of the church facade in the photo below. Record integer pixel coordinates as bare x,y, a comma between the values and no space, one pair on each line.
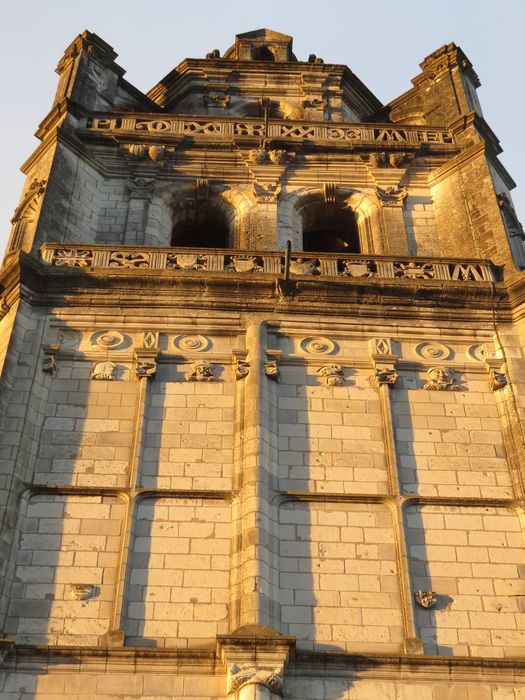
262,388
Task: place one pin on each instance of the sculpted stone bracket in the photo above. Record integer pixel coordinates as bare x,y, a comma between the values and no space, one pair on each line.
49,361
332,375
271,366
496,370
255,655
384,361
146,362
241,367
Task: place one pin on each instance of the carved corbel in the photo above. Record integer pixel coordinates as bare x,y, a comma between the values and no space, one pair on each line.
267,192
391,196
496,370
50,353
255,655
146,362
384,361
241,675
271,366
241,367
141,188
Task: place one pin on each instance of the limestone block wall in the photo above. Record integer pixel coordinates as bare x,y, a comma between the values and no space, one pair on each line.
339,583
64,544
179,587
475,557
360,487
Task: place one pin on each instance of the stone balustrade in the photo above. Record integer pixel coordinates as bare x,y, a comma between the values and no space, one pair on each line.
228,261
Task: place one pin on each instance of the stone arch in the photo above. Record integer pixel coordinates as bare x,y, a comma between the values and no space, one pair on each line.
176,204
293,212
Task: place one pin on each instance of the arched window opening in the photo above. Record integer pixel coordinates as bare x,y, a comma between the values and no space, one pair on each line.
330,228
201,227
263,53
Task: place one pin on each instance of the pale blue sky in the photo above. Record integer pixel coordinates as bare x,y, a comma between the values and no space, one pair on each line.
381,41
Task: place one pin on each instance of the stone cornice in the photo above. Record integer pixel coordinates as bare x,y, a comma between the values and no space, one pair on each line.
301,664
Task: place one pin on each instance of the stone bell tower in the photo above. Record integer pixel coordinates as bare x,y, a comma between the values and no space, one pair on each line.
261,388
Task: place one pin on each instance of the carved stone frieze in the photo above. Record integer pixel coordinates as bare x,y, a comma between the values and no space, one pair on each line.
332,375
241,675
200,372
103,371
441,379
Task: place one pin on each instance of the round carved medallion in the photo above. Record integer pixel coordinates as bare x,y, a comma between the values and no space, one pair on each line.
434,351
192,343
108,340
318,346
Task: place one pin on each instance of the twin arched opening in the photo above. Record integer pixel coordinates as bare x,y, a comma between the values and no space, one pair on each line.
345,222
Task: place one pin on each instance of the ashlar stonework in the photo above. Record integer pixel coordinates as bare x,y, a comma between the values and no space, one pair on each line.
262,388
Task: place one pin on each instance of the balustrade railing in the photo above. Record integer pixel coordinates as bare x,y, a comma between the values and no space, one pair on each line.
180,260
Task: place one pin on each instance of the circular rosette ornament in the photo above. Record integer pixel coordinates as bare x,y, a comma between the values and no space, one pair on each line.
108,340
318,346
434,351
192,343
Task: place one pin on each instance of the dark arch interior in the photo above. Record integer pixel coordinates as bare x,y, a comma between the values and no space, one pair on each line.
330,228
206,230
263,53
